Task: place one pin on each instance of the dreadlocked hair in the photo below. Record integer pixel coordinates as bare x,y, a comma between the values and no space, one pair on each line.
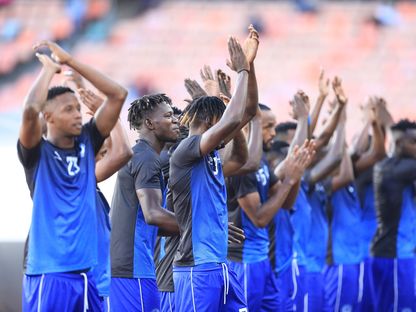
139,108
201,109
404,125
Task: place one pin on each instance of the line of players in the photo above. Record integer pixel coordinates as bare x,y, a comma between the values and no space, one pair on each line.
307,208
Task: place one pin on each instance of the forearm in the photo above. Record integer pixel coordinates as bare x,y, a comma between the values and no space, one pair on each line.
236,155
377,145
266,212
316,112
165,220
255,147
301,133
120,141
345,175
360,144
329,128
108,87
252,93
36,98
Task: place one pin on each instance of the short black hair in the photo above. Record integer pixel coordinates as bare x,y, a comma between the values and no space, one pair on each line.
176,111
56,91
403,125
139,108
202,108
284,127
264,107
279,146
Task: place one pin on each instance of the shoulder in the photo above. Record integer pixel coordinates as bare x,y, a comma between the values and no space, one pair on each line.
188,150
145,155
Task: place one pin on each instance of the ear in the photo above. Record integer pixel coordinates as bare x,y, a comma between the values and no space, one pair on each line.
47,116
149,124
208,122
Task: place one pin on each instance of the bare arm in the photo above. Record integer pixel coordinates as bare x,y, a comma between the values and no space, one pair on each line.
118,153
255,148
154,214
332,159
236,154
234,112
31,129
323,93
326,134
345,175
106,117
376,151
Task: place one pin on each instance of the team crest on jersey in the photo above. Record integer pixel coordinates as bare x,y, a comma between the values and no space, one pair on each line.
214,163
82,150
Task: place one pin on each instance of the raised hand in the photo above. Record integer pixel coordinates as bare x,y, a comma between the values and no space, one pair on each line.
48,64
323,84
339,91
299,159
194,89
224,82
238,61
225,98
300,105
91,100
235,234
59,55
75,77
251,44
210,82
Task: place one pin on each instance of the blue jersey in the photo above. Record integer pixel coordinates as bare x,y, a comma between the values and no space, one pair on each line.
301,220
256,245
281,241
346,226
102,271
63,232
318,232
200,204
132,239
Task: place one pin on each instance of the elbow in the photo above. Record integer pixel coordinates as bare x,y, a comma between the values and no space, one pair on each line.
252,166
151,218
261,223
120,95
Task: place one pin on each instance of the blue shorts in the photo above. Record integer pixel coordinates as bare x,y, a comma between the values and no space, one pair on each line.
254,277
342,287
366,304
393,284
68,291
208,287
300,298
314,288
134,294
167,301
286,281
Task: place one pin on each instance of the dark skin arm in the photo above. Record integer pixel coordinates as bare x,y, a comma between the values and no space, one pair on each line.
345,175
232,117
154,214
236,154
31,128
376,151
107,116
329,128
262,214
333,158
323,93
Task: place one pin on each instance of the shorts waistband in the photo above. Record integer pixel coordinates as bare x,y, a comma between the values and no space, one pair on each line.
199,268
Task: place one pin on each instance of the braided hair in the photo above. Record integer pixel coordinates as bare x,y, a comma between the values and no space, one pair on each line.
141,107
404,125
203,108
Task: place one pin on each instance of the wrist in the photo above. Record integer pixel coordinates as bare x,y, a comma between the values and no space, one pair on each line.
243,70
289,180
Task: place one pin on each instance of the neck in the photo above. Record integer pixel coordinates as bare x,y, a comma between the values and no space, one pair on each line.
154,142
197,130
60,141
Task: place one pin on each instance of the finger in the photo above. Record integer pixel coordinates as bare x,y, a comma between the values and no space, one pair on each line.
229,64
230,48
42,43
201,72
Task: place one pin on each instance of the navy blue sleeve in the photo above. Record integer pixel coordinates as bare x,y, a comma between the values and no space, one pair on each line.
28,157
188,150
244,185
97,139
146,171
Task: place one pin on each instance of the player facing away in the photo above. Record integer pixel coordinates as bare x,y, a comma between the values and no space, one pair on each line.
60,174
137,213
201,277
393,245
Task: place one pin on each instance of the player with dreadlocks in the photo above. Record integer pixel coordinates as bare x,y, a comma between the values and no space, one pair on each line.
137,213
200,273
393,245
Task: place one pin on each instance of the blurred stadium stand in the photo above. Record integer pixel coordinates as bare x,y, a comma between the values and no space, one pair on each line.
153,45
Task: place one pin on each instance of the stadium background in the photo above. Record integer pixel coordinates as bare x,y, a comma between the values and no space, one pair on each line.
151,46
